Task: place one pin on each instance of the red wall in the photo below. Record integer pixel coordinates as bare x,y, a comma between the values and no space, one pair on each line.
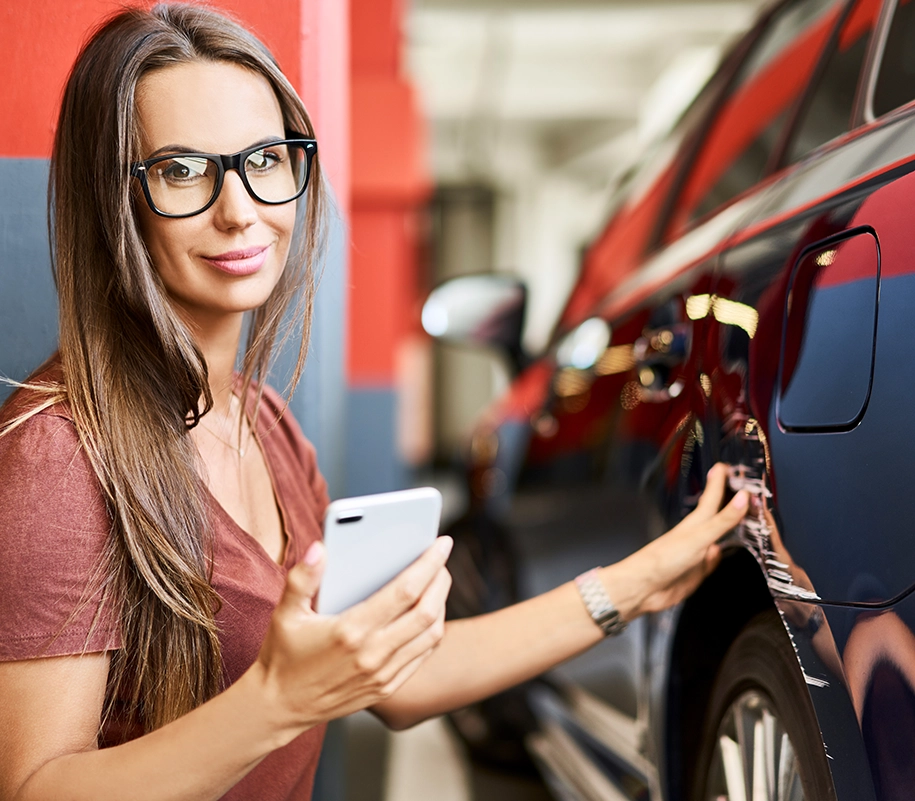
344,57
39,40
390,186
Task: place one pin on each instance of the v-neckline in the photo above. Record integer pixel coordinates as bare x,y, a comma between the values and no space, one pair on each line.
244,536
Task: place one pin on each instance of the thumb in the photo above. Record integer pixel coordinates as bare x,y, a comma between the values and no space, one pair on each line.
731,514
713,494
304,580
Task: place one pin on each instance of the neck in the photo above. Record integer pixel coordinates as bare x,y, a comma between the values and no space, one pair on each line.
218,339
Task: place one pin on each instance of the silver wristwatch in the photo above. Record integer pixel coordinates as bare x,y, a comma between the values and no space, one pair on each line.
598,603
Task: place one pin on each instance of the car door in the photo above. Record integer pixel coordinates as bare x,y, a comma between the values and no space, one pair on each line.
814,404
736,166
811,268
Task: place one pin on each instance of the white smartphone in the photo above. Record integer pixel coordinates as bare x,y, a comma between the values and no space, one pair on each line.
371,539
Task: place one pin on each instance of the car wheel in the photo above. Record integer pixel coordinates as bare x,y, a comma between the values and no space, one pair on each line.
761,739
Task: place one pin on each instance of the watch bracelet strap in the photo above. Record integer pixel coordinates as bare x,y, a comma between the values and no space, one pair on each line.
598,603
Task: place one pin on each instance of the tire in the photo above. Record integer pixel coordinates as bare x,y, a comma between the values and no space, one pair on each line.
760,716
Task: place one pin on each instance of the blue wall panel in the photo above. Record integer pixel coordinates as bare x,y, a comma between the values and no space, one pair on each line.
372,461
28,302
319,403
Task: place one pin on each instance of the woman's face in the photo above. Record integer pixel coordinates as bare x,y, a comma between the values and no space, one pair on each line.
229,258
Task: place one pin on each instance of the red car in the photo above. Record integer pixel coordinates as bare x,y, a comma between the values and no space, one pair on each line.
750,300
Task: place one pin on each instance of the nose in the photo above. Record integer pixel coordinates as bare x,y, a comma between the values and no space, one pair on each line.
234,208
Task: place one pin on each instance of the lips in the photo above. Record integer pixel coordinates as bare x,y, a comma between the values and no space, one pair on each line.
240,262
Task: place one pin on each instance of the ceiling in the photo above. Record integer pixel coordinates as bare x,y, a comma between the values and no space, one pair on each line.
546,104
515,89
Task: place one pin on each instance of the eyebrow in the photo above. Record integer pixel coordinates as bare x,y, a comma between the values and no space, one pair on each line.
176,148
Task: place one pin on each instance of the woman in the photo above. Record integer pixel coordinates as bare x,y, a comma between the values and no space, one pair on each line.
159,544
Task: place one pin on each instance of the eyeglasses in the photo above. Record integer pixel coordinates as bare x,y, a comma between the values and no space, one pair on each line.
185,184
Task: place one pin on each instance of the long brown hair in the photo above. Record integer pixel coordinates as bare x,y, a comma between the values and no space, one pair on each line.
133,376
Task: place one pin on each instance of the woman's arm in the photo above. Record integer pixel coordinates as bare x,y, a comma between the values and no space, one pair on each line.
484,655
310,669
49,715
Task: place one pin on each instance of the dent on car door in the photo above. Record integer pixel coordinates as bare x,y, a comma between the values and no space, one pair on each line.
834,428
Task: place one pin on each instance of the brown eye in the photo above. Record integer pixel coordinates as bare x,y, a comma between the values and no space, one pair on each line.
261,160
182,169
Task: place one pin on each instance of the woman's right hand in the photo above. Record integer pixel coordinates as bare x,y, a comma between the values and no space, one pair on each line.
318,667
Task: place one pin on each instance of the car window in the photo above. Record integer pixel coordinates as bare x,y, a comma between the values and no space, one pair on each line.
637,207
896,81
748,125
828,114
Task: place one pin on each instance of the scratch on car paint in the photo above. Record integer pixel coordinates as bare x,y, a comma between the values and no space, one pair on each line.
755,533
813,681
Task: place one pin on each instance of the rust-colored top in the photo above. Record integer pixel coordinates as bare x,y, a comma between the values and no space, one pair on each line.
53,526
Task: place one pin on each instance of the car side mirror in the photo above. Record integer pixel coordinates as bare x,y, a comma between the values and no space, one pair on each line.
479,310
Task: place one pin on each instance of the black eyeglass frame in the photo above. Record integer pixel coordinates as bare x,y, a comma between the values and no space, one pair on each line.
223,162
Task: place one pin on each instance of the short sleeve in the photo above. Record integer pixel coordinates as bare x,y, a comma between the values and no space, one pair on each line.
54,527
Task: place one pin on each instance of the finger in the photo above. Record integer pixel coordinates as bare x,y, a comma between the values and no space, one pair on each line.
419,647
401,594
428,613
405,673
701,532
712,559
423,615
304,580
732,514
713,495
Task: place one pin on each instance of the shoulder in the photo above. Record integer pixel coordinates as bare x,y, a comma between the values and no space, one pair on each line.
276,421
43,463
33,439
54,532
42,395
46,478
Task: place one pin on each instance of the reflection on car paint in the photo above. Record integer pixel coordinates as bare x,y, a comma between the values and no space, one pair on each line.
727,312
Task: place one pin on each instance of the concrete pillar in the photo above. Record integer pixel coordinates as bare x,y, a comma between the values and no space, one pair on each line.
388,364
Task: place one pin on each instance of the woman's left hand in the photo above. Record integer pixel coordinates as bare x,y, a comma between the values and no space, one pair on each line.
671,567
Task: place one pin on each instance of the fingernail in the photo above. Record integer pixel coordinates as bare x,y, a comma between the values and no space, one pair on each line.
711,470
444,545
313,554
742,499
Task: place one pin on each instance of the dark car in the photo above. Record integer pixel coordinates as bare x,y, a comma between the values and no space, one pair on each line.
751,300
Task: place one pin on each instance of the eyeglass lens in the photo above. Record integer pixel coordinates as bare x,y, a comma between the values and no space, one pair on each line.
184,184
